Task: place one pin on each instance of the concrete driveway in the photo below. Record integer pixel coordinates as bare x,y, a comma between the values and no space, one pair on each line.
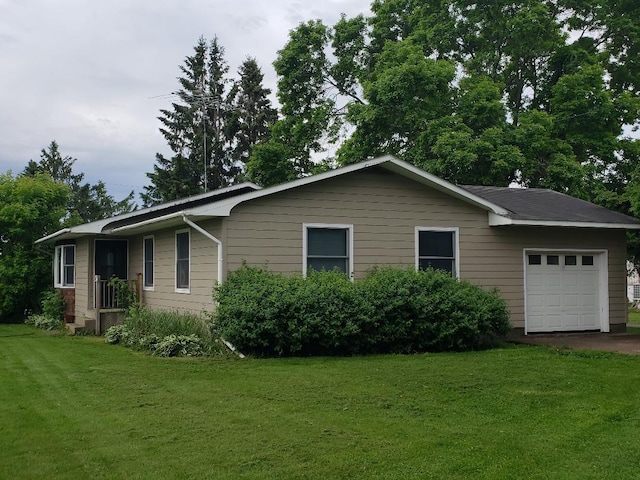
628,343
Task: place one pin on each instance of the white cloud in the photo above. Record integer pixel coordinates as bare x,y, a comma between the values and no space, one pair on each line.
89,74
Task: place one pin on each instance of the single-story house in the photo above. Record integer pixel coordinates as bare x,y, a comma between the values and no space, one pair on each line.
559,262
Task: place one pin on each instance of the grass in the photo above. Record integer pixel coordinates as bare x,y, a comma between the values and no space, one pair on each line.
74,407
634,316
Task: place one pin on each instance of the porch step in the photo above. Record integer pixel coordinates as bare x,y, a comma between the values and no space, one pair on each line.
74,328
77,329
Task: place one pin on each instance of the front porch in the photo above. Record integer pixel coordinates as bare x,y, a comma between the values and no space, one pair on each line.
103,288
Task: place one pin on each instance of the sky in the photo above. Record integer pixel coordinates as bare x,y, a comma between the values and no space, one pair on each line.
93,76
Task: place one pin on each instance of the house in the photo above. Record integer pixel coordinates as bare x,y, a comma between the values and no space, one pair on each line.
559,262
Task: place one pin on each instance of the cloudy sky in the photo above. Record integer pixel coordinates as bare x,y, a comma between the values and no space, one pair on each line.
91,75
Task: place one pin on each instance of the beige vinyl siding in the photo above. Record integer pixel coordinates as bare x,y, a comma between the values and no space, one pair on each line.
84,277
384,210
203,269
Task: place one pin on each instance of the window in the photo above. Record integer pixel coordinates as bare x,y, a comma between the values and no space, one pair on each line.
535,259
437,249
148,252
570,260
64,269
553,260
182,261
636,292
587,260
328,247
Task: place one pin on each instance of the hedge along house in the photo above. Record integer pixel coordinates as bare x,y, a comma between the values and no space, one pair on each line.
559,262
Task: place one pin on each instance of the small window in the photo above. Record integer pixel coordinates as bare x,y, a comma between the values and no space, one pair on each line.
553,260
182,261
636,292
570,260
587,260
64,266
437,250
535,259
328,248
148,248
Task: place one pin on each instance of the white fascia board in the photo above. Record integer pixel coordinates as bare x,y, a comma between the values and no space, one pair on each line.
151,221
53,236
499,221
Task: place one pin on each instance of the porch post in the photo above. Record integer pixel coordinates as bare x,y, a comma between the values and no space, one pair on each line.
97,287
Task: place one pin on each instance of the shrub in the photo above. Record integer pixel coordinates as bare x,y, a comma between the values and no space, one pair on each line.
44,322
164,333
53,305
179,346
116,334
52,317
391,310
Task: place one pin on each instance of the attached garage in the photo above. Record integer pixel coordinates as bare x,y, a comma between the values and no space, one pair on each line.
566,291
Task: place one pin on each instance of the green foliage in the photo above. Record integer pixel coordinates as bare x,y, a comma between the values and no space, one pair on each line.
212,127
164,333
117,334
44,322
179,346
86,202
125,296
30,208
53,305
538,93
52,317
390,310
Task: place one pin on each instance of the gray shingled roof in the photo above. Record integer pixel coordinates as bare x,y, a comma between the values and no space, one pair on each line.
547,205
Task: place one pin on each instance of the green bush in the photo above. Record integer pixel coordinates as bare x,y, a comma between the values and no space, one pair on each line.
52,317
179,346
116,334
53,305
44,322
165,333
391,310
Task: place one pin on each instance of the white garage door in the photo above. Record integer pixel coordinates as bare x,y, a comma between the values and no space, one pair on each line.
562,291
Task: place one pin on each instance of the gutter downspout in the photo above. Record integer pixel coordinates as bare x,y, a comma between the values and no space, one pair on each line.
209,236
219,244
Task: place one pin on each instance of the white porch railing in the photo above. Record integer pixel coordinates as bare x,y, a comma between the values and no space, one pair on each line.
105,295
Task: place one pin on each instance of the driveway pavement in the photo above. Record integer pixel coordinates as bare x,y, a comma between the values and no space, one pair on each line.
628,343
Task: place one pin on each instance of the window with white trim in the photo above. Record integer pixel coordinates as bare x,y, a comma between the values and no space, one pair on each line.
437,248
183,260
328,247
636,292
64,275
148,255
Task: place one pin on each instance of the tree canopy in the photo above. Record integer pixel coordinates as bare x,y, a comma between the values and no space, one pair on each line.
30,207
85,202
537,93
212,126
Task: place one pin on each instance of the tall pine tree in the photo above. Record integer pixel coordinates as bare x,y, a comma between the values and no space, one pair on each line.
252,114
195,130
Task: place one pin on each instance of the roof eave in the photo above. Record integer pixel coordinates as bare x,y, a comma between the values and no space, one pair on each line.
500,221
388,162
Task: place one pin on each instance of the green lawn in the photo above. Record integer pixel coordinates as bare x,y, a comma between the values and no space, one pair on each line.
634,316
74,407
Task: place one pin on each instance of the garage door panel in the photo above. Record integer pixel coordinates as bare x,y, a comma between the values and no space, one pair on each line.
562,297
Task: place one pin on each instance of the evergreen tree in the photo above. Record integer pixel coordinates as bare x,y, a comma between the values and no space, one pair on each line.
196,131
86,202
252,115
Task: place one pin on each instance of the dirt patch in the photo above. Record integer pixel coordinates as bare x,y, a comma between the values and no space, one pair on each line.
607,342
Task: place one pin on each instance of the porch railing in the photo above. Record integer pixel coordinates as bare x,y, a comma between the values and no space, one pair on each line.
106,295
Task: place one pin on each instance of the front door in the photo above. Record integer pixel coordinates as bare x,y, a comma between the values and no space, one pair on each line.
111,259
